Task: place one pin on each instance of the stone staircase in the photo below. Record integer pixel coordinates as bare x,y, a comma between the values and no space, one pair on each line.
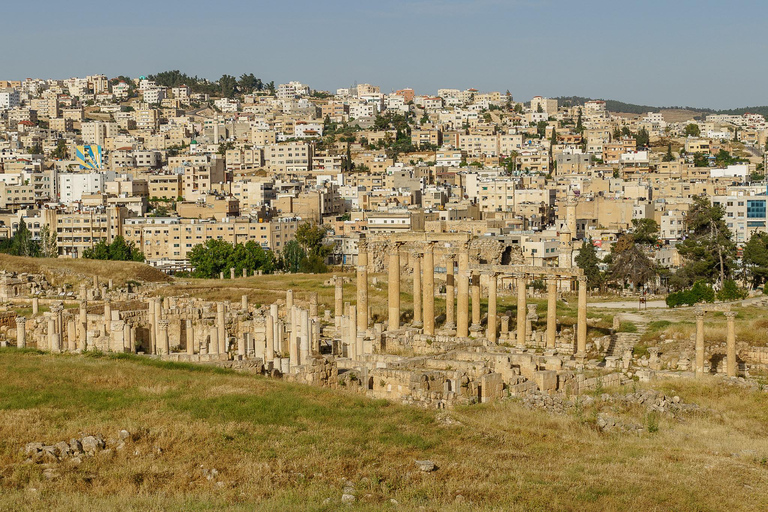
623,341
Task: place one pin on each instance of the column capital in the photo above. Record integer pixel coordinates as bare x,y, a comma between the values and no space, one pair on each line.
581,279
20,320
699,312
162,324
552,280
730,314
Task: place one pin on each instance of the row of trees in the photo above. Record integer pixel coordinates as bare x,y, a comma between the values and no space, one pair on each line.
709,254
227,86
307,253
118,250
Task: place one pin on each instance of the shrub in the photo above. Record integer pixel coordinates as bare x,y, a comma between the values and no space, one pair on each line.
701,291
731,291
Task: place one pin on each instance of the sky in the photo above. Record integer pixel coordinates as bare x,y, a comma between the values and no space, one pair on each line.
698,53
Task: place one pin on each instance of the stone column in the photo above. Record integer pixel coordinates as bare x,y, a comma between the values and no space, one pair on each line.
244,303
158,304
417,311
551,312
730,343
245,272
581,340
107,314
462,317
288,301
53,344
352,337
450,295
277,332
126,337
393,284
151,320
190,337
492,315
232,273
72,335
476,316
313,304
269,353
21,332
338,309
699,368
429,289
222,327
304,345
83,326
58,315
35,305
521,311
213,345
362,285
162,335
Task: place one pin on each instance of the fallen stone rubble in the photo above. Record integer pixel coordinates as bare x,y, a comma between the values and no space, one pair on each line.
75,449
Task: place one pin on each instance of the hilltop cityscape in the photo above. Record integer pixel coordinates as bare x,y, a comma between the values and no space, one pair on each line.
169,162
267,296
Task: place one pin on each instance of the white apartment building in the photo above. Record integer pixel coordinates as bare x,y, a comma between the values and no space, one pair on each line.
9,98
72,187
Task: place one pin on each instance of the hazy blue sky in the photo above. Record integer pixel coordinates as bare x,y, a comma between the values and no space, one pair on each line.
658,52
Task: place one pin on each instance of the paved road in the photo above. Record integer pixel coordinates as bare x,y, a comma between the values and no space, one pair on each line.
628,304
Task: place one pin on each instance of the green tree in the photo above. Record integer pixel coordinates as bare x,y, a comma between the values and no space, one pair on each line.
22,244
60,151
292,256
645,231
541,128
579,123
629,263
553,139
692,130
642,138
669,157
700,160
756,258
118,250
708,250
588,261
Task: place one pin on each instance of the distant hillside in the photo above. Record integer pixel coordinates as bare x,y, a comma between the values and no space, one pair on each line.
633,108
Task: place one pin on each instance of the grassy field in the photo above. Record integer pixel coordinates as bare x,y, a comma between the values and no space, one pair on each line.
280,446
61,271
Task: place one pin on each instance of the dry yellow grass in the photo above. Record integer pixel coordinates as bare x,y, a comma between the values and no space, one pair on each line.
62,271
279,446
